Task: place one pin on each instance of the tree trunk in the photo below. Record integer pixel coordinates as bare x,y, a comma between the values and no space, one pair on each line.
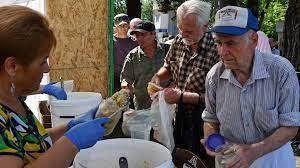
263,12
133,8
253,5
222,3
291,34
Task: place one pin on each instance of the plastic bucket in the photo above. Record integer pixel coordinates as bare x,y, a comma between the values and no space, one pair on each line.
77,103
139,154
68,85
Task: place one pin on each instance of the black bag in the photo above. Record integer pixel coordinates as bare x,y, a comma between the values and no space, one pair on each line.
188,131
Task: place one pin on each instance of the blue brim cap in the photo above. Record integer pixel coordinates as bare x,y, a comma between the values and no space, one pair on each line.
231,30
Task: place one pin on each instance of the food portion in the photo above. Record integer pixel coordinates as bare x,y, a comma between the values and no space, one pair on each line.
121,98
153,88
117,103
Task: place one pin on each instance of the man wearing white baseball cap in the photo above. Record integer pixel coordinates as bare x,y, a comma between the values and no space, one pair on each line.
252,98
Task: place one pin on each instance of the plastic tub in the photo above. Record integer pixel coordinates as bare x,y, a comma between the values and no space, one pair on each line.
139,154
77,104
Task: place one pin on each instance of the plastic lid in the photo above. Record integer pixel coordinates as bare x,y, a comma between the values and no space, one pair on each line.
214,141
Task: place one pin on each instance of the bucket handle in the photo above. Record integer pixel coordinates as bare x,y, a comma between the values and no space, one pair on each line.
66,116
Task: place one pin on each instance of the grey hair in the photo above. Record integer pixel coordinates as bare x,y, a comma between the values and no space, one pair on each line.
197,7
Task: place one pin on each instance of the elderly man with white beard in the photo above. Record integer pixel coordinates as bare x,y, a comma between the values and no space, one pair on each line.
190,57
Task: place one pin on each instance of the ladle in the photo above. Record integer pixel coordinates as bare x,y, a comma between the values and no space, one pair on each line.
123,162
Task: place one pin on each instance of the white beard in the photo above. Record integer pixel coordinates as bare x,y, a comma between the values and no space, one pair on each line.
187,41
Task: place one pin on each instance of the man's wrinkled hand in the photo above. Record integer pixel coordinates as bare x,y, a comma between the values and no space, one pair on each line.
155,80
172,95
209,152
245,155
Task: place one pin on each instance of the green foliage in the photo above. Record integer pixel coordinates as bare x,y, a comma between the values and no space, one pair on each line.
120,6
275,12
147,10
174,4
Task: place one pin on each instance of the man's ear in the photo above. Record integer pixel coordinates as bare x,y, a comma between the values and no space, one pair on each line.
254,38
205,27
10,65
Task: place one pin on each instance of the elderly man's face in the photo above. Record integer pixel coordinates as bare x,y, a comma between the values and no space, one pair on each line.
189,30
236,52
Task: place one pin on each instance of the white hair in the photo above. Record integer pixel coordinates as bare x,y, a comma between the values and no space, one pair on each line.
197,7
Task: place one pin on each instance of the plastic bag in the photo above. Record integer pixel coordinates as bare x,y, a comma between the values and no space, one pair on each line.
137,124
114,106
162,114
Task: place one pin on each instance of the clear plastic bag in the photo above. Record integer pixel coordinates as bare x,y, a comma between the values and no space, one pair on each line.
163,114
137,124
106,108
113,107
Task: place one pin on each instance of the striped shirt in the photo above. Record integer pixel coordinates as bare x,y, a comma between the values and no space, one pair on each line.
250,113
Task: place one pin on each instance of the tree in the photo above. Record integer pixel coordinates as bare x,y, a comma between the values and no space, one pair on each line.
222,3
253,5
291,35
147,10
275,12
120,6
133,8
265,6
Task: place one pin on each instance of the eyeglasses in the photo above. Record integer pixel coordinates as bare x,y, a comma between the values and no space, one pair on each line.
124,26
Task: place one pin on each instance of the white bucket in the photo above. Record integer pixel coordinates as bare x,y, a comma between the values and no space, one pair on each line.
77,103
68,85
139,154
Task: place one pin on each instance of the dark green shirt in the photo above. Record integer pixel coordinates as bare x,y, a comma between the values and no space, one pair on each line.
138,70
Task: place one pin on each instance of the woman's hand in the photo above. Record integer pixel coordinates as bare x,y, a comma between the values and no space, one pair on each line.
88,116
52,90
87,134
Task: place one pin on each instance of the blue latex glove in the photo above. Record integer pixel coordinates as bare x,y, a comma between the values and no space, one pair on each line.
87,134
57,92
88,116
